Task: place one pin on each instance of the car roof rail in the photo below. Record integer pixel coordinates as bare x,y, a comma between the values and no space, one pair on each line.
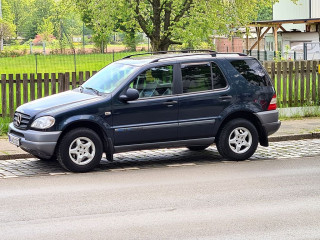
233,53
211,52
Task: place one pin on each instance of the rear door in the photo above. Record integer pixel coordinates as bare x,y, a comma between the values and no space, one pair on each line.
205,95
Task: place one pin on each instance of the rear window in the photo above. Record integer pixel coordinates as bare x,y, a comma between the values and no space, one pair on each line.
251,70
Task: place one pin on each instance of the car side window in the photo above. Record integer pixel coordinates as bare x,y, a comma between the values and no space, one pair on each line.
252,71
217,77
196,77
154,82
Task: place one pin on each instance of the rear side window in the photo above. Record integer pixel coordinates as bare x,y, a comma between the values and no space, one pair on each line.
251,70
196,77
217,77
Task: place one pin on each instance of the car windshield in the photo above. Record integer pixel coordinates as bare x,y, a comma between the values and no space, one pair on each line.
110,77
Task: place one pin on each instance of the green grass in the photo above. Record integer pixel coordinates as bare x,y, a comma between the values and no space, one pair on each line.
57,63
4,124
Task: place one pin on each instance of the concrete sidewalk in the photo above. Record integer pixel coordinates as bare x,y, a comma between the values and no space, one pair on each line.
307,128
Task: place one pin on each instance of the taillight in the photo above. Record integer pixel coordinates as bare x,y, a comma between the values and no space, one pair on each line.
273,103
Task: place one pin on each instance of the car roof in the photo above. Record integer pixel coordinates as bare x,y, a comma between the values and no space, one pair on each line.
147,58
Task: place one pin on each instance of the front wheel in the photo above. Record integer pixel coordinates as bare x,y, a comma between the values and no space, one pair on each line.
238,140
80,150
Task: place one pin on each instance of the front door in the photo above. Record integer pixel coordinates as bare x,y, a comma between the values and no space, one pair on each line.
151,118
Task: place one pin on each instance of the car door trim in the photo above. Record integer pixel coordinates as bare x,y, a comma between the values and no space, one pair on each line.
170,144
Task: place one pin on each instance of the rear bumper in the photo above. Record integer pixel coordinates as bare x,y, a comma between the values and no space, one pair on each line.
37,143
269,121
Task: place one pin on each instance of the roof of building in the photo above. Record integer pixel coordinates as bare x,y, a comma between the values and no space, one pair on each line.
270,23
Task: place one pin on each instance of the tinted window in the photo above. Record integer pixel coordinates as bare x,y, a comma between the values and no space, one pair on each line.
154,82
218,79
196,77
251,70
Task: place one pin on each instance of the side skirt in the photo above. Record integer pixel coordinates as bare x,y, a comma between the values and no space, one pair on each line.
171,144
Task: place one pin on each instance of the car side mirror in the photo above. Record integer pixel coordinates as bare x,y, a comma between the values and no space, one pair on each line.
131,95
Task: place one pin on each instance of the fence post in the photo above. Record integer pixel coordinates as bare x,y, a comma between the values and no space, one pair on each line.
4,94
61,81
46,84
11,102
66,81
53,83
32,88
290,82
296,82
18,90
284,82
87,75
80,78
308,82
25,88
39,85
302,83
74,80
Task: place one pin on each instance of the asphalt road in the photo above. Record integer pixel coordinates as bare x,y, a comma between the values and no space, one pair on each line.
262,199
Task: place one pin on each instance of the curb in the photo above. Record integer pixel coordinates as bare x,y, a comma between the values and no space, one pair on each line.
295,137
15,156
271,139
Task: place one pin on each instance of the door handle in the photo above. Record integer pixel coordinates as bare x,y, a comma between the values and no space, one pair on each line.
225,97
170,102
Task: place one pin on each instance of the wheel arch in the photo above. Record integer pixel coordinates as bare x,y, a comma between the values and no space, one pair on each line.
263,137
86,124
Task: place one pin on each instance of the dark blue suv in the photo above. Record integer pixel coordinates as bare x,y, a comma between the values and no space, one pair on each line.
154,101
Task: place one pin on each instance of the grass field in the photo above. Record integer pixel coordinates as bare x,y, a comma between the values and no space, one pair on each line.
57,63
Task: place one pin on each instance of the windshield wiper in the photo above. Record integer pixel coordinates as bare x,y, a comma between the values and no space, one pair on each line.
94,90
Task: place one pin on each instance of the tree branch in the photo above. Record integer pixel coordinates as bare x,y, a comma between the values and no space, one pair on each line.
167,16
142,22
186,7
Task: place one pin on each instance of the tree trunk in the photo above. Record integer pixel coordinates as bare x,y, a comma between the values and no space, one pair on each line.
160,45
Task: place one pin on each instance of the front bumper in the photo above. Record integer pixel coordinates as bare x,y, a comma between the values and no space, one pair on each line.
37,143
269,121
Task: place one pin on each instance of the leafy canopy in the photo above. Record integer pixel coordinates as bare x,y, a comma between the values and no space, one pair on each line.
168,22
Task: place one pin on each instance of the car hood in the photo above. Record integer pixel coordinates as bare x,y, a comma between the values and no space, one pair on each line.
56,102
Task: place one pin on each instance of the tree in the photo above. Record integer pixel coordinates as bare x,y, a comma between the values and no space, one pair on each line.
167,22
6,26
46,30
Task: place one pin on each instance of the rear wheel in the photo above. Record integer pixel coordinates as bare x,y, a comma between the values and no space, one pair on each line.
80,150
238,140
197,148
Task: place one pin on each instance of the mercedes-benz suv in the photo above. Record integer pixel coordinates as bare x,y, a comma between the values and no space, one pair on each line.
156,100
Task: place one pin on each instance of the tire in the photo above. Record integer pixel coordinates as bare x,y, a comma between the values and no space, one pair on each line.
80,150
238,140
53,158
198,148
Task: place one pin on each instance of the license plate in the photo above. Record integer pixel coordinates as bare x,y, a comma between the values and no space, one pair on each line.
14,140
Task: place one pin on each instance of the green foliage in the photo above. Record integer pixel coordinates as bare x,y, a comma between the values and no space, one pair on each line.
4,125
168,22
265,13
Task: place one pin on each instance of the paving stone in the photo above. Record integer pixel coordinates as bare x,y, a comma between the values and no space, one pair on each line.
164,158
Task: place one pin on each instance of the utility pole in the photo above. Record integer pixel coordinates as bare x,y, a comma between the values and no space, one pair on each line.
1,37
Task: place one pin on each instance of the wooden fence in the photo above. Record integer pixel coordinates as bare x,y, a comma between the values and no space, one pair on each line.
17,89
297,84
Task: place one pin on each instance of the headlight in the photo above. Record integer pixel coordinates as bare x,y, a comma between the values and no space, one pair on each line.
43,122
